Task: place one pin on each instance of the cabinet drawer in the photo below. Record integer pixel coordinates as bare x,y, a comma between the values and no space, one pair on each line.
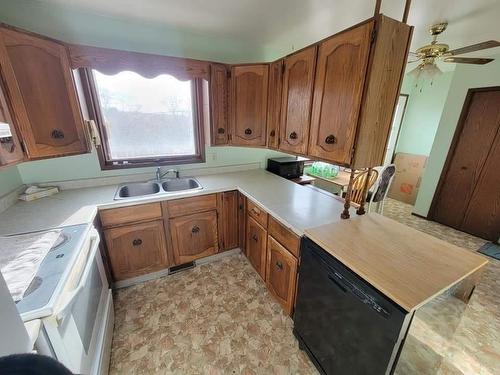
136,249
256,238
186,206
281,274
257,213
194,236
124,215
284,236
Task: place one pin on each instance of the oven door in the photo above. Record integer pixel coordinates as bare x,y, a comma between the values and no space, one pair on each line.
77,331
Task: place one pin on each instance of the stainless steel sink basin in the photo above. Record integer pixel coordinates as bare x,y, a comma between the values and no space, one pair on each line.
179,184
167,186
137,189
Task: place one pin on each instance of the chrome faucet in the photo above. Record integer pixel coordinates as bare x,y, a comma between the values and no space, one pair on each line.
160,175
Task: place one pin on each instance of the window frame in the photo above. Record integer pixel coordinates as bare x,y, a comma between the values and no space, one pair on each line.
95,113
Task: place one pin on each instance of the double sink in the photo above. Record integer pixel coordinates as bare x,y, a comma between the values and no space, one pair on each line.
166,186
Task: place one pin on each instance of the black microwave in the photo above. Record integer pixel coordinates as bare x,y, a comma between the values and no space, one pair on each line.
287,167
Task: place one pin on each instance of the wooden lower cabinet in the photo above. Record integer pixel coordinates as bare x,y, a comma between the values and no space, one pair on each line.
227,205
136,249
242,220
281,274
256,242
194,236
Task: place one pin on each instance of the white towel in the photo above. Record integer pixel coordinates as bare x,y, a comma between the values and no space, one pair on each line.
20,258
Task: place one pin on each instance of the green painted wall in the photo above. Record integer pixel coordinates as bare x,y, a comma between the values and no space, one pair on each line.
10,179
423,112
465,77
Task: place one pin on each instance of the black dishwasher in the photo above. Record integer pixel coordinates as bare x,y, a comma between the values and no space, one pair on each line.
344,324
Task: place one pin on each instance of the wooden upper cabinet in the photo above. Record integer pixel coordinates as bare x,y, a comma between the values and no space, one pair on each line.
10,148
338,91
274,103
43,96
298,80
218,93
248,104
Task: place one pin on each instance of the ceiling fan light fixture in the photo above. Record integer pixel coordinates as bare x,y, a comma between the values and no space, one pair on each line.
426,70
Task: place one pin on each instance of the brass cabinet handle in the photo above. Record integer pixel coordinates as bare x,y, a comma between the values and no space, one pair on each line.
221,130
330,140
272,133
279,264
293,135
255,238
57,134
195,229
248,131
137,242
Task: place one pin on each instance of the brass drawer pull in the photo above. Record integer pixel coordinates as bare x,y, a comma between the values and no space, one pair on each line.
279,264
248,131
293,135
272,133
137,242
57,134
195,229
330,140
221,130
255,238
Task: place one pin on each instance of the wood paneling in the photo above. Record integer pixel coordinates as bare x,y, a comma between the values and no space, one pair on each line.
130,214
274,103
189,205
228,219
284,236
219,105
281,274
112,61
338,90
256,237
385,73
467,197
242,215
395,258
194,236
298,80
249,86
136,249
10,147
42,91
257,213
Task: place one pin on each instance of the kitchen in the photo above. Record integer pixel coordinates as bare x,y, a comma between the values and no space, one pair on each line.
145,221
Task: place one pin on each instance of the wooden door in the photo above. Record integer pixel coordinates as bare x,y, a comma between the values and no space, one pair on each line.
338,91
194,236
228,219
136,249
219,91
468,197
274,103
281,274
41,88
256,238
10,147
242,215
249,104
298,79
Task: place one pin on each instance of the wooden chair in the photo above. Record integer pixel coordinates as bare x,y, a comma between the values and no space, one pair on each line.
359,184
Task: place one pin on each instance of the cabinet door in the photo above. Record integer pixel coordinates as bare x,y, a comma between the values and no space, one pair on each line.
281,274
298,79
249,104
136,249
41,88
242,215
274,103
338,90
256,246
10,147
228,219
194,236
219,90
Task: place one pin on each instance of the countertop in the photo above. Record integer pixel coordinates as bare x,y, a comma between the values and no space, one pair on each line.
408,266
297,207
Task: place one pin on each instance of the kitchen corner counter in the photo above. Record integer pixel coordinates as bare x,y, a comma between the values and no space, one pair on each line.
408,266
297,207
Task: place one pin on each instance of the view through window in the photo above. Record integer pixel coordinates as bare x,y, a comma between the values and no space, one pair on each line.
146,118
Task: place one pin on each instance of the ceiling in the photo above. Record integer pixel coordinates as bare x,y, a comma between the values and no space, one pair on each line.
283,25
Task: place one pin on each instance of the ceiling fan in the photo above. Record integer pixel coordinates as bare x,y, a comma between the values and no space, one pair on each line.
430,53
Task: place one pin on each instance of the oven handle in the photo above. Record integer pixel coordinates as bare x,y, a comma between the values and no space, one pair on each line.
65,306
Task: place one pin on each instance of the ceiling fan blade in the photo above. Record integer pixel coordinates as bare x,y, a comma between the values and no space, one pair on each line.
413,57
473,47
468,60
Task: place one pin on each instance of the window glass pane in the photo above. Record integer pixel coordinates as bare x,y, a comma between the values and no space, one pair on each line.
146,117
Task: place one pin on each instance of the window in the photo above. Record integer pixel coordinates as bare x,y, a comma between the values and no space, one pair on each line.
146,121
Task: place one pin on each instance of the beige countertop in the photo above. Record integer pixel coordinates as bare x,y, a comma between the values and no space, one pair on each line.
296,206
408,266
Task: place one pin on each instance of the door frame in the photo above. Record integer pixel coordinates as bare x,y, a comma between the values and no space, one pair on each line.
453,146
400,125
